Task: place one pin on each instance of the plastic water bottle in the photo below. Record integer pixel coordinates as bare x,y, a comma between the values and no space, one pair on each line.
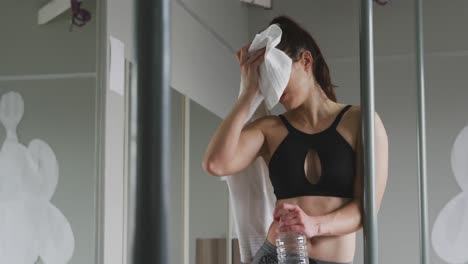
292,248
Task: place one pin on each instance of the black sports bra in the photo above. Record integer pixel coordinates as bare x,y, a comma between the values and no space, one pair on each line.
319,164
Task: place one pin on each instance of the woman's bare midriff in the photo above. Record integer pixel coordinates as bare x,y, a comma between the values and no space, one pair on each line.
327,248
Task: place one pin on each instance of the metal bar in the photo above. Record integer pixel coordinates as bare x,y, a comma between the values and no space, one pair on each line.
100,123
132,162
186,199
229,230
128,162
367,125
422,176
150,240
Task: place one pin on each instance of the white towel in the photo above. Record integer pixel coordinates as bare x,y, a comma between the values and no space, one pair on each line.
274,71
251,191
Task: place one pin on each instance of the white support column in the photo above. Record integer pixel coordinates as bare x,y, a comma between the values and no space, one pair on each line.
421,129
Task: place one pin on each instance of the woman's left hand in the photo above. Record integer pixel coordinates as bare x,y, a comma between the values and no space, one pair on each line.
292,218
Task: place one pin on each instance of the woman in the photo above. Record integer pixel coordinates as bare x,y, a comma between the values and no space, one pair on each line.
313,152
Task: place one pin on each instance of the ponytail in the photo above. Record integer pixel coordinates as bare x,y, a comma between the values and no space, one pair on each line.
322,75
294,40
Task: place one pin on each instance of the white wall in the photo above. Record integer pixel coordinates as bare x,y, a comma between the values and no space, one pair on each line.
119,23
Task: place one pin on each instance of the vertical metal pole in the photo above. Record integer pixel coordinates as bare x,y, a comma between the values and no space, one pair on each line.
422,177
101,89
186,228
153,79
229,231
367,106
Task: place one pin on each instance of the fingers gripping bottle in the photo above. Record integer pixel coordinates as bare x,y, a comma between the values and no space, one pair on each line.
292,248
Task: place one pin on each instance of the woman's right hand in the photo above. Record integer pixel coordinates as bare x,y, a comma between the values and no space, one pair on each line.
250,68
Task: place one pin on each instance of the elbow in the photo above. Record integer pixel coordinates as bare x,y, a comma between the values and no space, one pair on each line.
359,223
211,168
356,225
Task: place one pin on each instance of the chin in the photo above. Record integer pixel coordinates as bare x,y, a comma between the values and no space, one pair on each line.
288,104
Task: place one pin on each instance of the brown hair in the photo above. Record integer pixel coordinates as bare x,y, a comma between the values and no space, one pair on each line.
294,40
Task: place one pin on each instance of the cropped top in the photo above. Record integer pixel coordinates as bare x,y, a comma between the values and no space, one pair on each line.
319,164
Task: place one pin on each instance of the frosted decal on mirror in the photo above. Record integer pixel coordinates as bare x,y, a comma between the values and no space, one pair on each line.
450,230
31,227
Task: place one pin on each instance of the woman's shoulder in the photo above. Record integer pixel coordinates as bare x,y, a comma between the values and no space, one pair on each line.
355,112
267,122
354,121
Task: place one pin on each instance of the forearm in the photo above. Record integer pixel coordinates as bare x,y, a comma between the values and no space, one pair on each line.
345,220
222,146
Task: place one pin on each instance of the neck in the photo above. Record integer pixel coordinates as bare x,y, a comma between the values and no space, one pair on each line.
315,108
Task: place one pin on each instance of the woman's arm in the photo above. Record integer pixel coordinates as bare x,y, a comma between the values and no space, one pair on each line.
346,219
233,146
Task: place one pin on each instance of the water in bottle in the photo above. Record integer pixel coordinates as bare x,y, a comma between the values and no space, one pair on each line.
292,248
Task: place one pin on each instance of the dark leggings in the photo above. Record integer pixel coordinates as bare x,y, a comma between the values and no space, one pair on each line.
267,255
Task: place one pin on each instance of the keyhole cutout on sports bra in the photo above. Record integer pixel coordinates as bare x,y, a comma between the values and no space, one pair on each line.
312,166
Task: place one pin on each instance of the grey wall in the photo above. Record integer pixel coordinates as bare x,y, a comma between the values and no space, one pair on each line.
176,214
120,24
58,111
208,194
335,25
28,48
205,36
215,31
